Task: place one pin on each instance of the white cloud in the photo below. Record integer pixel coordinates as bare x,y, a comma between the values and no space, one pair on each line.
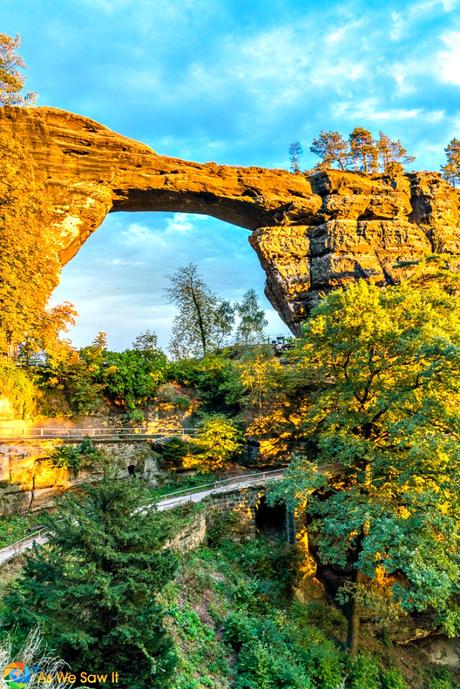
449,58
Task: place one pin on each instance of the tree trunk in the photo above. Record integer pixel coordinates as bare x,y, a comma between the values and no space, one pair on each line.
200,322
353,626
353,612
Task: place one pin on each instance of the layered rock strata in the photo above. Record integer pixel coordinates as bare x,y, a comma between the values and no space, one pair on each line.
312,232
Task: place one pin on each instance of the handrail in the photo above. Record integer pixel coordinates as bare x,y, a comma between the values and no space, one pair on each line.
237,481
92,432
215,484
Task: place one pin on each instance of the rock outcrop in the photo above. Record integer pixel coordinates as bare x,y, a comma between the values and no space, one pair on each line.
312,233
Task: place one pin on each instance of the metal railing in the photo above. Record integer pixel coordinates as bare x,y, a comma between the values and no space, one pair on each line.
102,433
242,478
232,483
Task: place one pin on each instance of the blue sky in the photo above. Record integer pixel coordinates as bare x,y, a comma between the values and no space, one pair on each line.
232,81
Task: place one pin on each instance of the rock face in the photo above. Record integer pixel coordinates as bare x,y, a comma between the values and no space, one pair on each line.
312,233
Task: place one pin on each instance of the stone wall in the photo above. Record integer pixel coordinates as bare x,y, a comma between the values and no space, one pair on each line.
190,537
29,481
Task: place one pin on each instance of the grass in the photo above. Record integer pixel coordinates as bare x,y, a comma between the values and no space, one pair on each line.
15,527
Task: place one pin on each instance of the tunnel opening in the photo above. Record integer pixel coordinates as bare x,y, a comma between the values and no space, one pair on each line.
271,520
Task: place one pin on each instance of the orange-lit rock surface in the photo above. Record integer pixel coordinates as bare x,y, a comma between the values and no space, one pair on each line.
312,232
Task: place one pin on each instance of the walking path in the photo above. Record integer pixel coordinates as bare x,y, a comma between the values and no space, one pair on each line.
169,501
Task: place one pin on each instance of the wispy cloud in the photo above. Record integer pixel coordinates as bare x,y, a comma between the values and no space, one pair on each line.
231,81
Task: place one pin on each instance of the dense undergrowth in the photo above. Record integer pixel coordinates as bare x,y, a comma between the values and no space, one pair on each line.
236,625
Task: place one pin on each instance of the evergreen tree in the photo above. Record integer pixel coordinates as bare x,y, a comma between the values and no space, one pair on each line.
392,153
363,150
250,329
11,79
295,153
451,170
93,589
203,321
332,148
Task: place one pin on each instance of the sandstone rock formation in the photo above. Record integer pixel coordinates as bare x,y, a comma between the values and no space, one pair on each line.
312,233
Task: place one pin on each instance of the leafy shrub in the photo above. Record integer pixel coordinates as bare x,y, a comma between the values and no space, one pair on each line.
12,528
221,526
260,668
76,457
217,440
365,672
393,679
18,388
325,664
238,630
442,679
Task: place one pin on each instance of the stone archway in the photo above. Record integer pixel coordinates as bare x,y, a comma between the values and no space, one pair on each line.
312,233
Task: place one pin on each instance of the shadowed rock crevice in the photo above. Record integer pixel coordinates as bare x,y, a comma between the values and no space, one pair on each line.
312,233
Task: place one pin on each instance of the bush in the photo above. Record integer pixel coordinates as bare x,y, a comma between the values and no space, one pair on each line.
442,679
17,387
76,457
393,679
222,526
173,452
365,672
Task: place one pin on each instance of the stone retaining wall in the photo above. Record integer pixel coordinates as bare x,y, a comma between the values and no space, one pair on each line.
28,480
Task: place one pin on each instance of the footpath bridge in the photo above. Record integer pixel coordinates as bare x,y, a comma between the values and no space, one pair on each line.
167,502
73,435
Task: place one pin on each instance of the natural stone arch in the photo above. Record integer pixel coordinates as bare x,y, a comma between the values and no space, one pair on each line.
312,233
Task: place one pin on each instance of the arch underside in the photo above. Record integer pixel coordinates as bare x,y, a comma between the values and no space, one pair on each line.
312,233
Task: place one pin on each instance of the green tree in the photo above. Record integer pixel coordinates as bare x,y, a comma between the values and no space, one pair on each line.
250,329
93,589
451,170
363,150
203,320
131,378
215,380
332,148
217,440
295,153
392,154
26,245
11,79
374,392
146,342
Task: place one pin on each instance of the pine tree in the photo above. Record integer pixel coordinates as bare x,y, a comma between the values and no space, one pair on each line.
364,151
451,170
332,148
93,589
295,153
392,153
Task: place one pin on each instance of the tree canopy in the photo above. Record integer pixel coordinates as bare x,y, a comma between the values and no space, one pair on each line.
361,152
11,78
451,169
93,589
373,392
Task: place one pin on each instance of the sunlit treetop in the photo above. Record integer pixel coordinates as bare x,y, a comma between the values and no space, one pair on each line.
11,78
